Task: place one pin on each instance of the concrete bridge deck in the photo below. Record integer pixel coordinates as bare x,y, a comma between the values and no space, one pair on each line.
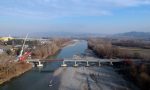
45,60
76,61
92,60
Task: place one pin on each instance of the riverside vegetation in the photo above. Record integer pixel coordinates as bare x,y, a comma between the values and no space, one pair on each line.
48,49
10,69
138,73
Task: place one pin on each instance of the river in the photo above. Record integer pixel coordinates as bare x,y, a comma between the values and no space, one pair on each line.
38,79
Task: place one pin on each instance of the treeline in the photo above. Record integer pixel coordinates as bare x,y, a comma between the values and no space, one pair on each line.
101,48
104,49
49,48
139,73
9,70
20,42
132,43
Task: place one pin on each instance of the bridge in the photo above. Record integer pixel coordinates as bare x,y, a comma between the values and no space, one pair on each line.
87,61
39,61
77,61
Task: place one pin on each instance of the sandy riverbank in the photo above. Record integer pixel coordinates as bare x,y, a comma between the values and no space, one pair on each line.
91,78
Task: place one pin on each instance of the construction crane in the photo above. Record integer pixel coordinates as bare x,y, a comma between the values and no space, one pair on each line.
24,56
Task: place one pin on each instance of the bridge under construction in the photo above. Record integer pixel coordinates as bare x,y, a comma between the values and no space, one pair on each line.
76,62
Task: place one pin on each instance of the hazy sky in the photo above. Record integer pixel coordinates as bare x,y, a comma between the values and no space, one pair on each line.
95,16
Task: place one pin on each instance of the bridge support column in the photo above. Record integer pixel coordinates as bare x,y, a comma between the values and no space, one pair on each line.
99,64
111,63
75,64
33,64
64,65
40,64
87,63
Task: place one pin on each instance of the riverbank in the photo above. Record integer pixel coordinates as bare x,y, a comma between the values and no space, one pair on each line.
39,78
67,44
136,72
50,48
15,70
90,78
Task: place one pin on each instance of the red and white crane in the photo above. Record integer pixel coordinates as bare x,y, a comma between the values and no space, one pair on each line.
24,56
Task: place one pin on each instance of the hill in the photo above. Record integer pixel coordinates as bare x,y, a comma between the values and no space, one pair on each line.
134,34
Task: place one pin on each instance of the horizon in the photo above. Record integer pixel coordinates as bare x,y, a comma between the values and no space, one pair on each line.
74,16
74,34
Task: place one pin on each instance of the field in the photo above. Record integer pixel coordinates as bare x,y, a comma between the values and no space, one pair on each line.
137,51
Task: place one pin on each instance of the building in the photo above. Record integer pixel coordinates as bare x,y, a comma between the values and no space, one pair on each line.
6,38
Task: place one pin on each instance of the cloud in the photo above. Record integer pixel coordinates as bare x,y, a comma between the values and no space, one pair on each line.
127,3
62,8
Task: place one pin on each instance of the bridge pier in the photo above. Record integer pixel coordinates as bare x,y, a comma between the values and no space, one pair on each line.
99,63
75,64
111,63
40,64
64,65
87,63
33,65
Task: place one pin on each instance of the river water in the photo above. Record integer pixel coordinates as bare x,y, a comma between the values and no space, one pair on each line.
38,78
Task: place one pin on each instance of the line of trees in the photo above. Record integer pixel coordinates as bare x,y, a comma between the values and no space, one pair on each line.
132,43
138,73
9,70
105,49
47,49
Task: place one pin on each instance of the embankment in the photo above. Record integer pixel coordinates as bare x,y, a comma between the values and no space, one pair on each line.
12,70
49,49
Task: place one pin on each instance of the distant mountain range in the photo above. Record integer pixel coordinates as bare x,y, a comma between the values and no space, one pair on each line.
65,34
134,34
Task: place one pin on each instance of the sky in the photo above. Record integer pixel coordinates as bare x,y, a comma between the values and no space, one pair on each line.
86,16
